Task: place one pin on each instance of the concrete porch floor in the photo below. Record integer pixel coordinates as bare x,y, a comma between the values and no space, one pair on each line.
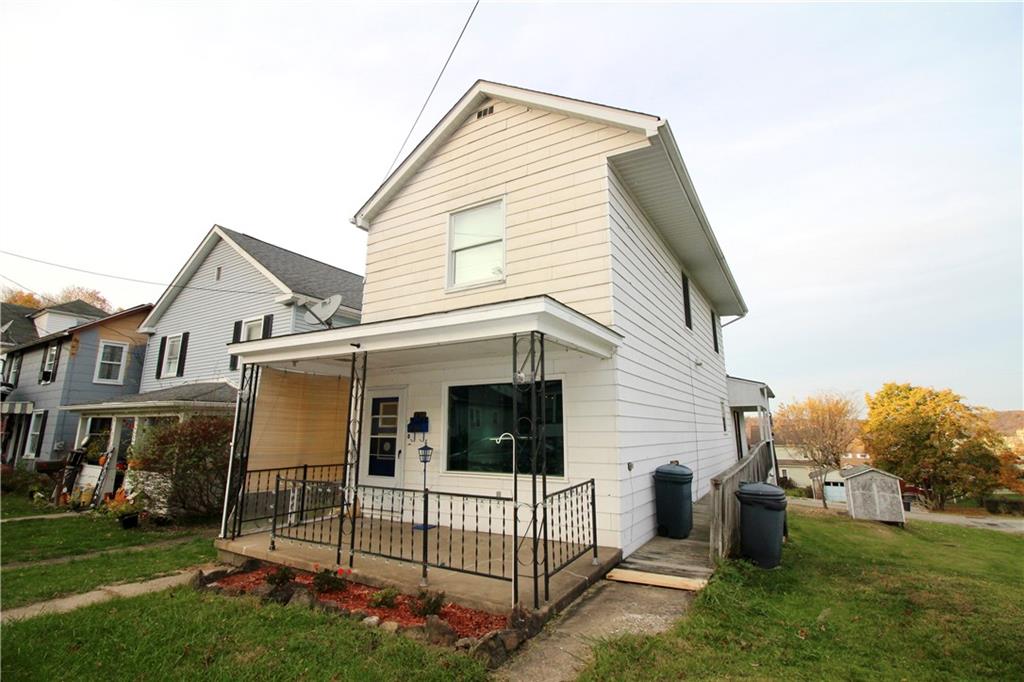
489,594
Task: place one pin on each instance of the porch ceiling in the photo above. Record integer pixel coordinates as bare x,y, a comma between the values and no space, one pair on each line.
479,331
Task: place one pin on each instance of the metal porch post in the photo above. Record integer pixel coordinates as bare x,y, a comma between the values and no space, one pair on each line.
515,472
357,391
245,404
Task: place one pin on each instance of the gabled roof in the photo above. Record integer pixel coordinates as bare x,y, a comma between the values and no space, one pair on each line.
15,326
289,273
656,176
63,333
863,469
77,308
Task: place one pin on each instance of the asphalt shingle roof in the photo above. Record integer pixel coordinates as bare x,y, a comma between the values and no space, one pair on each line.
302,274
207,392
22,329
78,307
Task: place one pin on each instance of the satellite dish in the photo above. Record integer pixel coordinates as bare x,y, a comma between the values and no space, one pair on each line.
322,312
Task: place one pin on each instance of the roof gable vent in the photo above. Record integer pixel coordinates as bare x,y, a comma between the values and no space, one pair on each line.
486,111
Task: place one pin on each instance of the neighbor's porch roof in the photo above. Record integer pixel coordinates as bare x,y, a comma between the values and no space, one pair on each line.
748,394
478,325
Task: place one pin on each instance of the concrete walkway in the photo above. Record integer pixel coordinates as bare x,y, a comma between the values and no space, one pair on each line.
607,609
58,515
1005,524
101,594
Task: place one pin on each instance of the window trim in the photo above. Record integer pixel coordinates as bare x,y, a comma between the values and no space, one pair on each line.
445,472
258,321
30,452
49,364
687,302
172,371
449,270
99,361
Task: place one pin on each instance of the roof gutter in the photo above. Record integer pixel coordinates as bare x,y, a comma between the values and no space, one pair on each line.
679,169
735,319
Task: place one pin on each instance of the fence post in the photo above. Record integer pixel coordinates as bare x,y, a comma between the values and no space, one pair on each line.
273,517
426,534
302,495
593,517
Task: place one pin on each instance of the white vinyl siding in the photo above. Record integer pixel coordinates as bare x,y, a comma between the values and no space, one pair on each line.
671,383
550,169
110,362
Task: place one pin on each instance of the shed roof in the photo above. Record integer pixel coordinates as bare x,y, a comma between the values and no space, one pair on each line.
863,469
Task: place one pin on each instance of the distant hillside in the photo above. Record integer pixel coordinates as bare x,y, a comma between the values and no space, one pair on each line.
1008,422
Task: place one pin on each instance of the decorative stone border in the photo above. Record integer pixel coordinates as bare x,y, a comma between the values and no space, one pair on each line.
492,649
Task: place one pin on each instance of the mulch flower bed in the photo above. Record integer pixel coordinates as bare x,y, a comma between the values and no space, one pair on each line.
465,621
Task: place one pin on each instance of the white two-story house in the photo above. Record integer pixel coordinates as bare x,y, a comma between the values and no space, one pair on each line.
539,266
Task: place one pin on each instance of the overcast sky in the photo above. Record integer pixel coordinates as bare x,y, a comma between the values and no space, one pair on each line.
861,165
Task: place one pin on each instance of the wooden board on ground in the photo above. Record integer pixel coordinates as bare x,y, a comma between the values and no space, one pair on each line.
656,579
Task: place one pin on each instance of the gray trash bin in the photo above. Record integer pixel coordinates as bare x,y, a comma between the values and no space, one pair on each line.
672,500
762,522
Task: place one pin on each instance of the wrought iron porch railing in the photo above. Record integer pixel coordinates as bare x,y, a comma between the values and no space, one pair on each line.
570,530
255,509
474,534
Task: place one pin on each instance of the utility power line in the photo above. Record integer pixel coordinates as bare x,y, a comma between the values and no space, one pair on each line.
432,88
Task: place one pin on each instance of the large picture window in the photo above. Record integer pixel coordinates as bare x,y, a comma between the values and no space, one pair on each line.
476,245
478,414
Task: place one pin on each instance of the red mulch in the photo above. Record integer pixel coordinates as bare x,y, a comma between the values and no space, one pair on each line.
465,621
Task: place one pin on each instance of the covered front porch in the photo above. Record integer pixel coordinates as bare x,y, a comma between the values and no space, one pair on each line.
449,449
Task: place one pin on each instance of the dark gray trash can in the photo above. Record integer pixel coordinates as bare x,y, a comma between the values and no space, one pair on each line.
673,501
762,522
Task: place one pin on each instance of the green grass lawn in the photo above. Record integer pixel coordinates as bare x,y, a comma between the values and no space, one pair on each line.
12,505
182,634
22,586
853,600
47,538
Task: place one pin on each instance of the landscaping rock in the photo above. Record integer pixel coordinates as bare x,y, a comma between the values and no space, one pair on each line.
214,575
390,626
490,651
511,639
262,590
302,597
332,607
439,632
529,622
358,614
416,633
465,643
197,582
281,594
371,621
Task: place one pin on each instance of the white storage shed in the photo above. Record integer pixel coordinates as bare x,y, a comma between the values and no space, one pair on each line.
873,494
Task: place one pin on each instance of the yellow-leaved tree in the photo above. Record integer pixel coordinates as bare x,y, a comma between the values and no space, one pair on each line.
820,427
933,440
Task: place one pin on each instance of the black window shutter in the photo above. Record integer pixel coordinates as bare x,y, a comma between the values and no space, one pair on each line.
42,363
42,430
714,330
268,326
160,357
56,361
686,302
236,336
181,354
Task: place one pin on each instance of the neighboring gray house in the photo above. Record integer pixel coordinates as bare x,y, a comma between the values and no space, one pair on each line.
233,288
95,357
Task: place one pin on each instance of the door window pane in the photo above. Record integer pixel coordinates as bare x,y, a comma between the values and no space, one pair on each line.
382,458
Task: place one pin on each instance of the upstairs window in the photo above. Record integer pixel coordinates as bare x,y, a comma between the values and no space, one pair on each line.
14,363
687,314
171,356
48,370
476,245
110,363
252,329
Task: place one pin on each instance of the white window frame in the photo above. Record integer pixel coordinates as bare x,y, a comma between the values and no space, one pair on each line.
99,362
14,374
49,363
32,445
450,284
258,321
169,370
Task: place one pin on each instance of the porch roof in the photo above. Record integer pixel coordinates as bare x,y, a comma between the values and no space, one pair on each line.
558,322
213,395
